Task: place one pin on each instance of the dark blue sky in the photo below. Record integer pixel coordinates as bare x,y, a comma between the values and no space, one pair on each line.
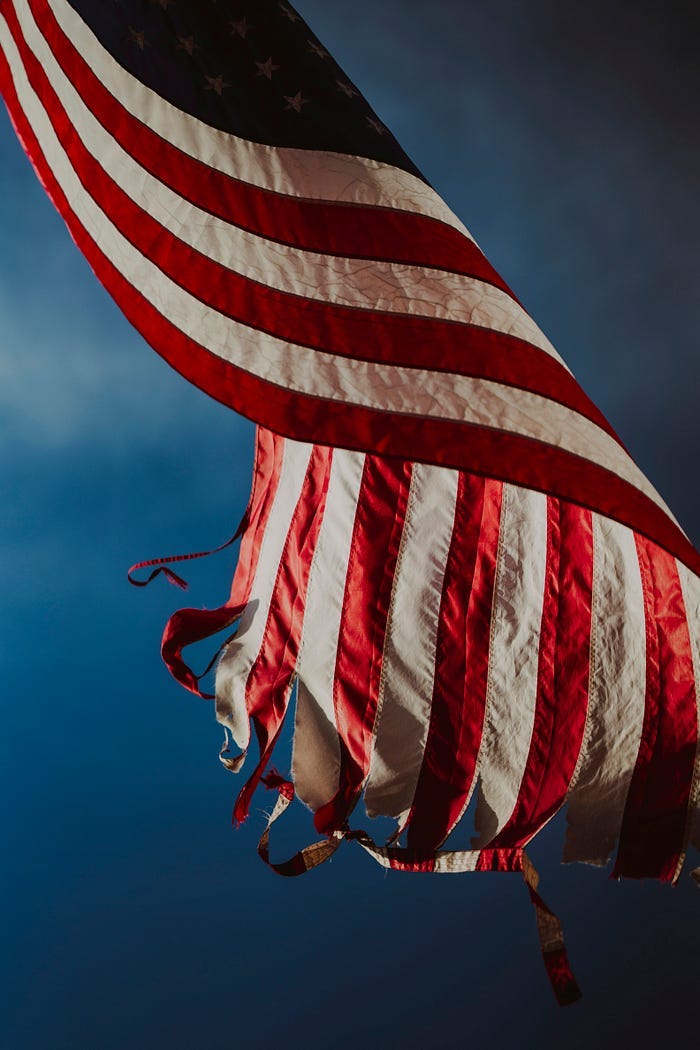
133,916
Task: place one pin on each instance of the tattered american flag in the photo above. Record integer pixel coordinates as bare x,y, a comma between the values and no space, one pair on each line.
447,548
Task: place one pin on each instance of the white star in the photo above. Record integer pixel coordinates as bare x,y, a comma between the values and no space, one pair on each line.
241,28
138,37
346,88
266,69
188,44
217,84
295,102
317,49
377,125
288,13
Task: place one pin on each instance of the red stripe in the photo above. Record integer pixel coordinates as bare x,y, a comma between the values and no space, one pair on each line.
653,828
359,231
379,521
269,455
461,665
562,677
269,682
351,332
496,454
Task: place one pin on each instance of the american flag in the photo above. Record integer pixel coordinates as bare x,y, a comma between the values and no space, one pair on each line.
477,593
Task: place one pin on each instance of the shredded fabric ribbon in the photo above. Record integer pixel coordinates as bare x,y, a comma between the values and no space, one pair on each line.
161,564
187,626
235,764
398,858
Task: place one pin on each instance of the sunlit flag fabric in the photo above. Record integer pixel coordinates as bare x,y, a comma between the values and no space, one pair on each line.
477,593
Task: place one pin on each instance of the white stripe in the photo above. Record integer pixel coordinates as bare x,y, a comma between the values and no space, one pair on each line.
690,585
449,863
511,693
238,659
617,689
362,284
316,175
382,388
408,663
316,754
